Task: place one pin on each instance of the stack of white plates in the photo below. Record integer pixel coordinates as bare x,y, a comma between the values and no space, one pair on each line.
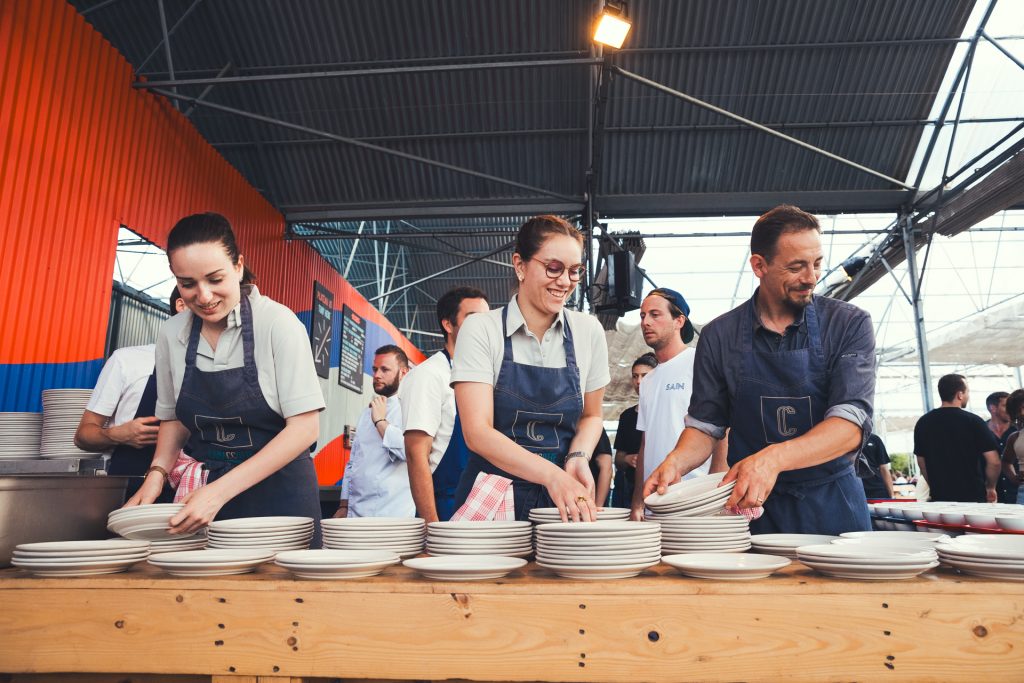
700,497
145,522
79,558
510,539
548,515
598,550
867,562
722,534
62,412
994,557
725,566
211,562
176,544
912,536
464,568
785,545
270,533
19,435
402,536
336,564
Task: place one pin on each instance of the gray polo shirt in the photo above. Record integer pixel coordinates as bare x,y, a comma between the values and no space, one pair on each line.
848,342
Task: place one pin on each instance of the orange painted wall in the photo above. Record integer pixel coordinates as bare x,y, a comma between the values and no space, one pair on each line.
82,153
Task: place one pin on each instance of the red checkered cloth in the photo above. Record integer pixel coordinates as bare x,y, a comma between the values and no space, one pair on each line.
490,499
186,476
750,513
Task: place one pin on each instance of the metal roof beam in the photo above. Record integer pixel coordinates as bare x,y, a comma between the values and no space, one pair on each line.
426,209
751,203
167,34
757,126
457,266
354,73
364,145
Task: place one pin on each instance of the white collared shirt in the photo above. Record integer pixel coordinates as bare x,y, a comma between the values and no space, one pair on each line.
428,403
376,481
284,358
121,384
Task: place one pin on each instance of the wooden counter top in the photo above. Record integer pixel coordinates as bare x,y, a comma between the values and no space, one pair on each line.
531,626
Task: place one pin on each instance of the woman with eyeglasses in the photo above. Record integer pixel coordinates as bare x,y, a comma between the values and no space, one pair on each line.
529,379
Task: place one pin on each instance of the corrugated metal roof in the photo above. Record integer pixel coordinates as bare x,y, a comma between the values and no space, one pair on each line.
855,77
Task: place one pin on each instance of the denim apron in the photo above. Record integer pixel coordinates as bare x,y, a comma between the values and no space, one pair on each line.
539,409
230,421
779,397
448,472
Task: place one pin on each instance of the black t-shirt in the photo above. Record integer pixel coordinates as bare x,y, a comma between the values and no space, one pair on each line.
952,441
604,447
627,438
877,455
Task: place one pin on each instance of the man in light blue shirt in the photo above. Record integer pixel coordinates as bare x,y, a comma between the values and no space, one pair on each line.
376,481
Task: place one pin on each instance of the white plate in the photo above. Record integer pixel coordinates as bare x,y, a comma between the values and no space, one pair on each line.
870,573
688,488
97,561
988,545
64,547
596,560
791,540
864,554
260,523
595,573
221,556
480,533
304,533
336,557
716,496
76,564
727,566
373,522
912,535
504,553
974,559
713,522
465,568
988,570
712,509
86,571
487,540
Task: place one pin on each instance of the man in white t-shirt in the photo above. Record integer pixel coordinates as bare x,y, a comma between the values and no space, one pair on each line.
665,391
435,451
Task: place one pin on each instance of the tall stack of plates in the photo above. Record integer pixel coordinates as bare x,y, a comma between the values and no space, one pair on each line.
723,534
510,539
79,558
212,562
785,545
403,536
62,411
271,533
867,562
146,522
994,557
336,564
549,515
19,435
599,550
700,497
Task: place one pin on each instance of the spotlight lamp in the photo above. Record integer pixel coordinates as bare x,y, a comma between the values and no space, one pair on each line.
854,265
612,25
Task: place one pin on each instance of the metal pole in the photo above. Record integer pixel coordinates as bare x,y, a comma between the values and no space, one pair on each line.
350,73
167,34
355,245
995,43
757,126
907,227
364,145
206,91
442,272
167,48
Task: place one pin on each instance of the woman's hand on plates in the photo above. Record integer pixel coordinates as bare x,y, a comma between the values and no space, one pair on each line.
574,501
755,478
150,490
201,506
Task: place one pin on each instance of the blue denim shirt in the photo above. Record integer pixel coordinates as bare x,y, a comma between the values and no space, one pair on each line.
848,342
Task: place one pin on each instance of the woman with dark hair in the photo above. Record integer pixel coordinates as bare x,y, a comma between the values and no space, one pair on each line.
1013,452
236,387
529,379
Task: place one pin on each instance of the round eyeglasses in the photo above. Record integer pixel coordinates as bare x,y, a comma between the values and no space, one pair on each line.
554,269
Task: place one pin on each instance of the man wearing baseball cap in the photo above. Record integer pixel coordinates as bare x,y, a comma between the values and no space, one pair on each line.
665,391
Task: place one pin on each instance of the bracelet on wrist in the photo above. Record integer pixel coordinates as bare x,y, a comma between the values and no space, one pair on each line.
577,454
383,419
156,468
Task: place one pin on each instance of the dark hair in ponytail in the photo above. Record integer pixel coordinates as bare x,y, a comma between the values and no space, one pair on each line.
535,231
202,228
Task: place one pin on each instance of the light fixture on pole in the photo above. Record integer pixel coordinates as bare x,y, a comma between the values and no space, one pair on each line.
613,25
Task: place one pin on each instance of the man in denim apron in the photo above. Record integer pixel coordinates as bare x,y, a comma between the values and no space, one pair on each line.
791,377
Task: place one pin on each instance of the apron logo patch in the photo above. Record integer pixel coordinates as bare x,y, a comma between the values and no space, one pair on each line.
226,432
536,430
785,417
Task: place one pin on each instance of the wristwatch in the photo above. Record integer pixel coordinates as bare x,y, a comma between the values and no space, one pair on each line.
577,454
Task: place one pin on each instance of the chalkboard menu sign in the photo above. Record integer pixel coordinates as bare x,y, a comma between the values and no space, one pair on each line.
353,343
320,336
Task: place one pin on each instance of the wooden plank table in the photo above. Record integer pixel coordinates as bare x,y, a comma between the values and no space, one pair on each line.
531,626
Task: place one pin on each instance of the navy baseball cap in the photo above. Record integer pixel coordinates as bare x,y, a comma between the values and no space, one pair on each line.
680,303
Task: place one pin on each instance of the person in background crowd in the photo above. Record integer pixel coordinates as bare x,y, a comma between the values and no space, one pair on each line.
529,380
665,395
601,468
956,451
792,377
1000,425
119,414
627,438
1013,452
879,484
376,479
435,449
237,384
